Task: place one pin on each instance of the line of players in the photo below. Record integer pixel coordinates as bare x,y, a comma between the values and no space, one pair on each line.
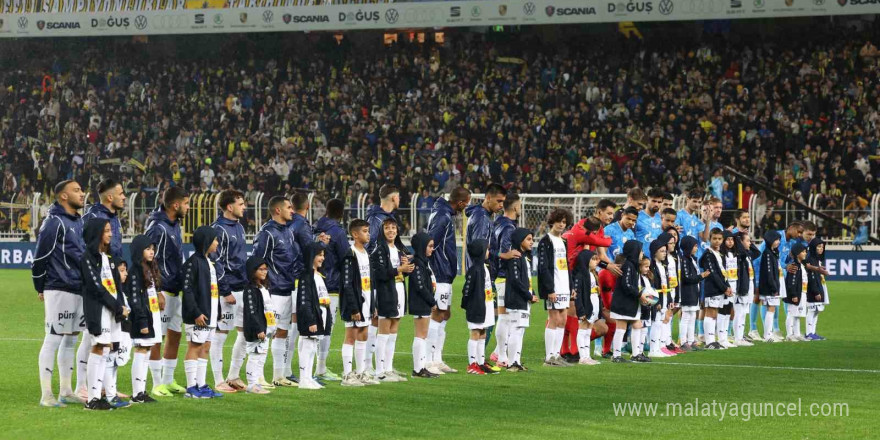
289,291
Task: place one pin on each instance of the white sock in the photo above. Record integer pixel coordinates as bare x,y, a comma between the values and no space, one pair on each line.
560,335
381,353
156,370
292,341
768,323
323,352
617,342
308,349
692,327
254,369
95,372
583,341
514,344
47,362
66,355
635,337
418,354
138,373
279,358
216,353
816,321
683,325
472,351
667,332
549,342
502,330
390,346
191,368
239,351
644,334
721,325
709,329
168,367
360,356
202,372
110,374
372,336
481,351
441,341
797,325
433,333
82,361
655,330
347,357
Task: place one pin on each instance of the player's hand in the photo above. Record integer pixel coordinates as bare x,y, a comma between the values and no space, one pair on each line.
261,336
534,298
125,311
42,298
313,328
795,300
792,268
202,321
705,274
551,297
230,299
615,269
823,271
408,268
324,238
728,292
574,294
145,331
818,297
644,301
356,317
434,309
161,297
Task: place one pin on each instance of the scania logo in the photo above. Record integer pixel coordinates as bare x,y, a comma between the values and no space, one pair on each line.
268,15
391,16
22,22
529,8
550,10
308,19
140,22
665,7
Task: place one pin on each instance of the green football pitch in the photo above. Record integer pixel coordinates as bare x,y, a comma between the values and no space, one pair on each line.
825,389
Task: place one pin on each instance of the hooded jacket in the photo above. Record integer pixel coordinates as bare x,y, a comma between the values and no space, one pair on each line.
375,217
165,234
136,291
547,267
308,307
303,235
98,210
276,245
716,283
661,272
441,227
769,279
59,248
96,295
794,286
499,243
384,284
583,281
518,289
744,268
479,227
625,300
421,288
230,256
198,293
690,274
816,279
351,297
253,307
475,292
335,252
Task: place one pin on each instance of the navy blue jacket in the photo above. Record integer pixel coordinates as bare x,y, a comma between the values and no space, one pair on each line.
499,243
334,252
169,249
768,281
479,227
59,248
716,283
230,257
441,228
100,211
375,217
95,293
277,247
475,290
302,233
197,297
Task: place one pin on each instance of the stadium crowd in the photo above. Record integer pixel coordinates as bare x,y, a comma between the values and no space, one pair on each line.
801,114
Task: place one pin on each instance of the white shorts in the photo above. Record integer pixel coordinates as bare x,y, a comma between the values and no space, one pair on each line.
366,316
258,347
518,318
199,335
594,300
690,308
443,296
561,303
64,312
489,320
111,331
796,310
401,302
284,307
637,317
172,317
499,290
231,315
770,301
745,299
715,302
123,354
816,307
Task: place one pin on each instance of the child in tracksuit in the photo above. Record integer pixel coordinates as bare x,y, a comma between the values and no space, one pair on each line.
586,302
796,288
660,282
259,321
690,293
313,314
478,301
769,283
715,288
817,296
626,303
731,272
201,310
146,320
745,286
518,296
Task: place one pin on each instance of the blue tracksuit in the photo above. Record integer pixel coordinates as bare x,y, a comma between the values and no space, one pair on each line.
334,253
59,249
276,245
230,257
441,228
647,229
302,233
100,211
499,243
618,237
479,227
375,217
704,245
165,235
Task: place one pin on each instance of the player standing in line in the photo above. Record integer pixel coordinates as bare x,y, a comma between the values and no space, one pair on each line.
57,280
444,263
648,223
201,310
336,247
277,247
500,251
421,301
146,320
163,228
635,198
554,284
770,282
229,262
357,305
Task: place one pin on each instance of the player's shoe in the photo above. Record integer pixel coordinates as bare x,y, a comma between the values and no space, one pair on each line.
143,398
368,379
50,402
515,368
237,383
640,358
388,377
667,351
424,373
791,338
488,369
588,361
122,395
310,384
619,360
175,388
818,337
225,387
211,393
744,343
434,369
256,389
754,336
284,382
161,391
266,385
475,369
293,378
351,380
397,374
98,405
446,368
658,354
118,403
194,392
71,399
329,376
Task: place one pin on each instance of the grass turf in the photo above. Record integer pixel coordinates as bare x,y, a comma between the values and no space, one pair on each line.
541,403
